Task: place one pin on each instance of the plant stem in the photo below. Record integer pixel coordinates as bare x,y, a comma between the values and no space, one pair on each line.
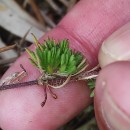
17,85
85,76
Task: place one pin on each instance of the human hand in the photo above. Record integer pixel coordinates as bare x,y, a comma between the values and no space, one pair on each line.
86,26
112,86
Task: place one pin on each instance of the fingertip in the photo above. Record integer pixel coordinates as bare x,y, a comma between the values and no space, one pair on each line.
111,91
111,97
116,47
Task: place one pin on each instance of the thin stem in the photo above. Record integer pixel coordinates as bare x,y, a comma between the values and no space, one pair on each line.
23,68
17,85
52,94
88,75
7,48
37,12
45,92
62,85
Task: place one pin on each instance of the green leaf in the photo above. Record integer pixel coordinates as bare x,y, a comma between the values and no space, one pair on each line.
32,61
91,83
62,69
71,70
31,53
49,70
56,57
72,58
92,94
78,58
48,57
67,59
63,58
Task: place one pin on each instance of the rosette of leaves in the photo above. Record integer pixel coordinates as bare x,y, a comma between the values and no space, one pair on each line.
57,62
56,58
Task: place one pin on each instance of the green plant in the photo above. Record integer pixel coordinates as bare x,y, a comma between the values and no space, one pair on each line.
58,64
56,58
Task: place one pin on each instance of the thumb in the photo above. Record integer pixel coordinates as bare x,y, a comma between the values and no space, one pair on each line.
112,88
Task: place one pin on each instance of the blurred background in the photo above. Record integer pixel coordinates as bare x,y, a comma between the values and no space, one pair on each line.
19,18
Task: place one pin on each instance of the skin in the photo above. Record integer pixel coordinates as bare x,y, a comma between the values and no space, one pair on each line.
86,26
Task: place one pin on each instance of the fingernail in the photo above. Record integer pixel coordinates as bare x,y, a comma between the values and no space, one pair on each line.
116,47
115,118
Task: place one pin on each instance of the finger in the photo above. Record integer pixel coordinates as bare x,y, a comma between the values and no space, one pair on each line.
112,104
85,33
112,89
116,47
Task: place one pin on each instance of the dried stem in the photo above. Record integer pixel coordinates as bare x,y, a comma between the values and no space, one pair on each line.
48,20
37,12
66,3
45,92
86,76
71,4
54,6
62,85
52,94
17,85
24,37
7,48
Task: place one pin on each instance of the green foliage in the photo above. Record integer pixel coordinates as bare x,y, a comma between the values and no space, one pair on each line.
91,84
53,57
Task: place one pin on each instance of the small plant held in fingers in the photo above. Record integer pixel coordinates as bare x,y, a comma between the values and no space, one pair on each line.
58,65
